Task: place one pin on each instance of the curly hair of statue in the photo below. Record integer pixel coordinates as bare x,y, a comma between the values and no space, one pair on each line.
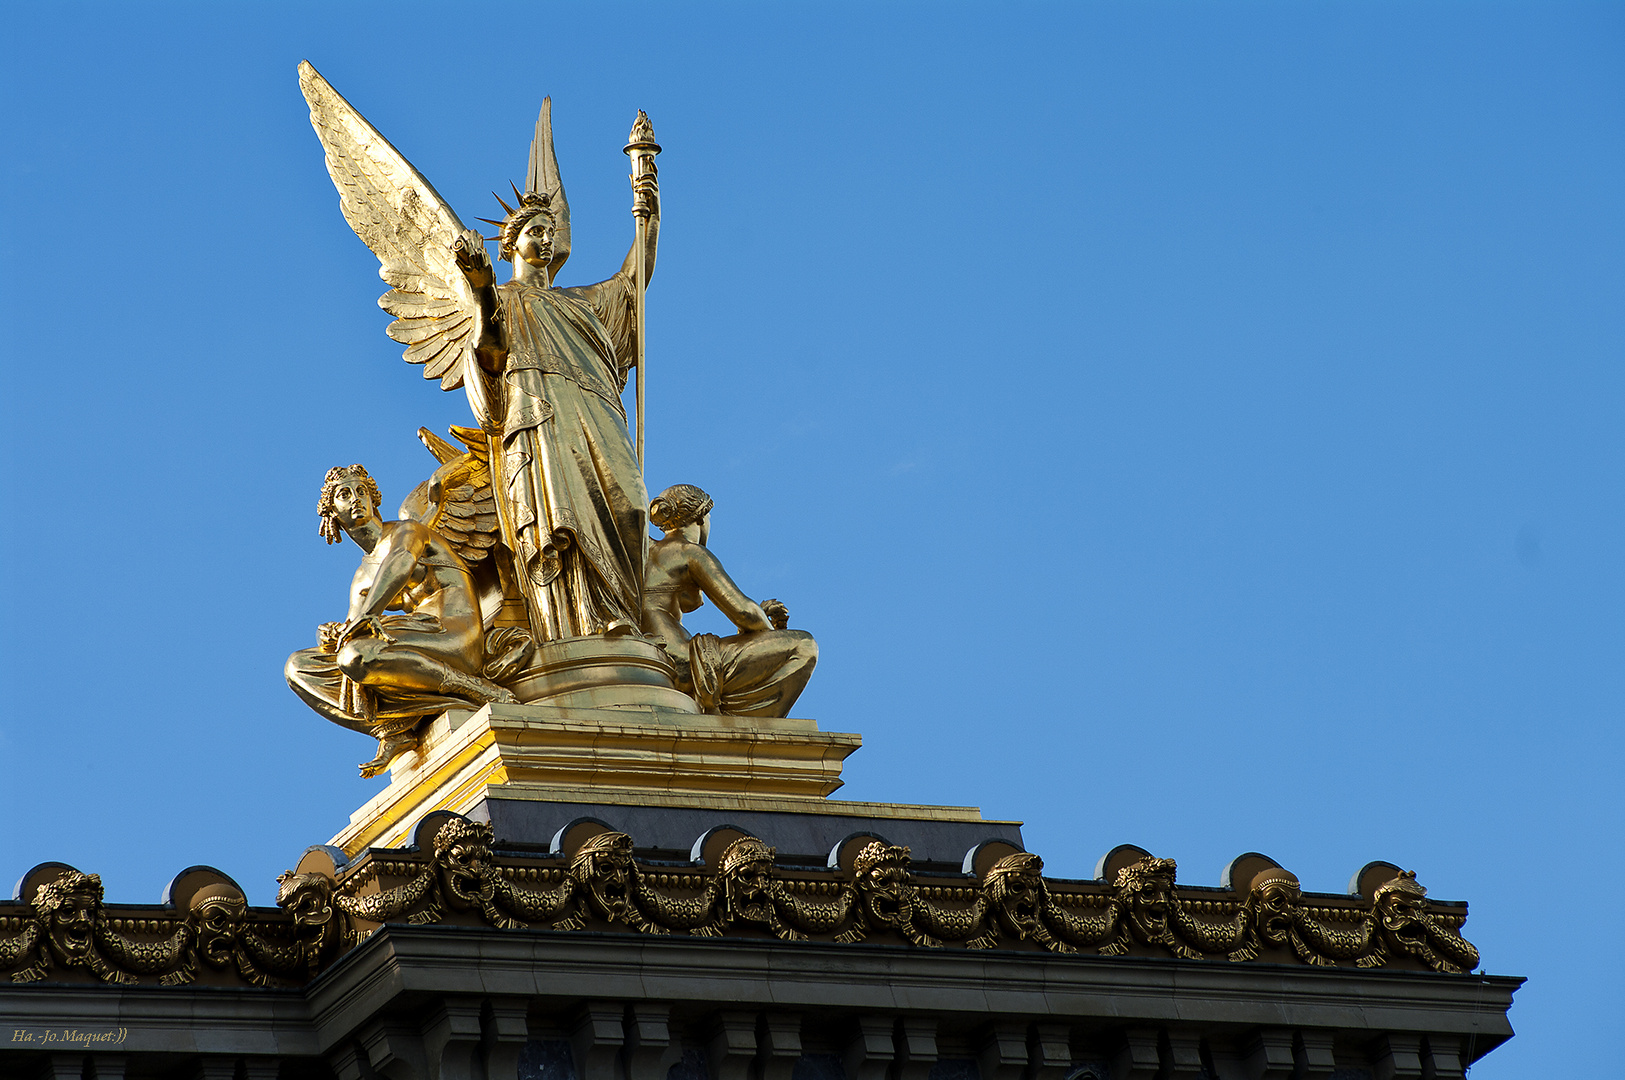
1022,862
329,529
678,506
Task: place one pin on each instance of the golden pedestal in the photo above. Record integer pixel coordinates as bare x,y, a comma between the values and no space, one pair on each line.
601,672
604,726
635,755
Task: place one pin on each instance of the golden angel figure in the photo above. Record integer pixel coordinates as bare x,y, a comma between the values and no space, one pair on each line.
543,367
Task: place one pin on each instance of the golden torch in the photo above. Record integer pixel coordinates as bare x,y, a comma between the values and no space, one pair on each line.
641,148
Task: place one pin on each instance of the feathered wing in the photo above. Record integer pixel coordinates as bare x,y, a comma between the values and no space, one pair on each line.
457,501
406,223
543,176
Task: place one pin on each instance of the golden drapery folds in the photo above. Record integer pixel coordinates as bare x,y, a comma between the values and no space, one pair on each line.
570,490
543,367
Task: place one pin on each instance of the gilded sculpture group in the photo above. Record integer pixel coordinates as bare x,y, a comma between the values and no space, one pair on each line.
537,530
600,885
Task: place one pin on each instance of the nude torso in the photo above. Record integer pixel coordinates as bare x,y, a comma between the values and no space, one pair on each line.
669,590
440,585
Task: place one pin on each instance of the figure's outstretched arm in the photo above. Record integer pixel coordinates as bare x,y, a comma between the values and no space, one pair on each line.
487,353
714,581
614,300
645,200
475,262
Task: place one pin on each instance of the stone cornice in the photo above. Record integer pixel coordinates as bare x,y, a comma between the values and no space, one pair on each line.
457,875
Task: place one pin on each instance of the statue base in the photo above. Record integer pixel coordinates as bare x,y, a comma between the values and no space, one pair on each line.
603,732
622,754
599,673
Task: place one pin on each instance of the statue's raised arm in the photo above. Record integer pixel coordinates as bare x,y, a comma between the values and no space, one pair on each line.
544,367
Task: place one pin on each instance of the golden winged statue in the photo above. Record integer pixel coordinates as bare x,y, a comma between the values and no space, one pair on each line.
543,367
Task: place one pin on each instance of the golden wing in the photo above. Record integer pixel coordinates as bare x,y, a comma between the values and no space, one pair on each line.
457,501
406,223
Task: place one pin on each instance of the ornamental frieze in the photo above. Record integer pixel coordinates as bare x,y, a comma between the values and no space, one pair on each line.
59,927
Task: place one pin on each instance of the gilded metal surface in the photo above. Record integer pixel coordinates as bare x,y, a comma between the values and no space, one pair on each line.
63,931
543,367
759,671
601,673
545,500
648,756
382,673
641,148
67,932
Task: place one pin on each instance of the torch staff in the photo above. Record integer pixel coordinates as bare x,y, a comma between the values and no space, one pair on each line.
641,148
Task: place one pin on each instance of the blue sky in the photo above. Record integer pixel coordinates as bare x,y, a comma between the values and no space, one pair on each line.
1190,425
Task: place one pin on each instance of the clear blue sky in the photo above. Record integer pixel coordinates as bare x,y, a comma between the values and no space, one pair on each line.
1192,425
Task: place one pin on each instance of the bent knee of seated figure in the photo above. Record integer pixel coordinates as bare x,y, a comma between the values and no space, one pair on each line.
354,657
806,645
294,669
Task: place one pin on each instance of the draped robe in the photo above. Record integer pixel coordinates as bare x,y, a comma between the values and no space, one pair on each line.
572,501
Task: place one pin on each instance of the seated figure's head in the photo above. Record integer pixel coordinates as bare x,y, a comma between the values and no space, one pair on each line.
680,506
344,491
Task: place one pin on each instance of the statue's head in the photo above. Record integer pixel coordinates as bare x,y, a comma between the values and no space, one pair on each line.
747,879
526,234
349,497
678,507
1401,908
462,856
1146,889
604,865
307,897
881,876
1274,900
1015,888
68,907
